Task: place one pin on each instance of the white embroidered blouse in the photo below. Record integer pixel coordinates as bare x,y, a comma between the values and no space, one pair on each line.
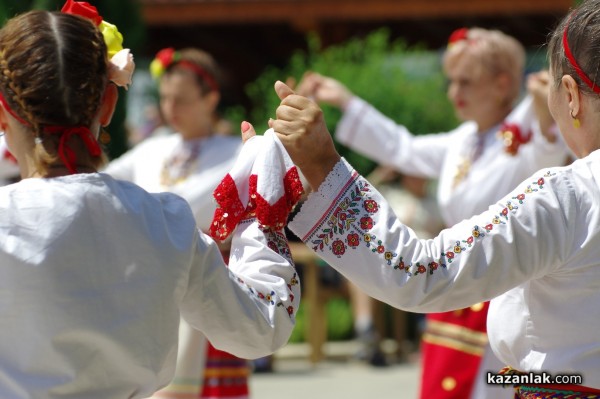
536,252
461,194
145,163
96,273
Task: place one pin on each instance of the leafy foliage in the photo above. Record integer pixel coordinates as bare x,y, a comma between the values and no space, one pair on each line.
404,83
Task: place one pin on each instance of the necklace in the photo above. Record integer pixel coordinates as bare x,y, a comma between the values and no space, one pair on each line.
470,154
180,165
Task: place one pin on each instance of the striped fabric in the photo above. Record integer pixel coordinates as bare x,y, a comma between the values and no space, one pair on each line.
225,376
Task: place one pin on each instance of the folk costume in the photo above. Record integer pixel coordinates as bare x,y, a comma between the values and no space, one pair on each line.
191,169
534,253
99,319
473,171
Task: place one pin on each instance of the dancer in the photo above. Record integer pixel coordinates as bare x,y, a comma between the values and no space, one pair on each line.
190,163
534,253
494,149
96,272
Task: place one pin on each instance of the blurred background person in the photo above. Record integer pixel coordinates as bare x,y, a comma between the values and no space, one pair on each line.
191,163
494,149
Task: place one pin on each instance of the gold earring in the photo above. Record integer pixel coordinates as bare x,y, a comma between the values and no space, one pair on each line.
576,123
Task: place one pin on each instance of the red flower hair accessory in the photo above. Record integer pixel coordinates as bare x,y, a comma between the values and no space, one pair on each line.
83,9
164,58
458,35
121,64
512,137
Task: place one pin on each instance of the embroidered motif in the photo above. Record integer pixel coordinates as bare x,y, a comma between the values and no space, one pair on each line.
343,221
512,137
276,241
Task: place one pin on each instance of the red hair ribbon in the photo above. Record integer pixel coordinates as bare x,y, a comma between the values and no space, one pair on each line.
10,110
574,63
66,154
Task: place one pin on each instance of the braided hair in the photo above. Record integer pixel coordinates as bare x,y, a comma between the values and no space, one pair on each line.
53,72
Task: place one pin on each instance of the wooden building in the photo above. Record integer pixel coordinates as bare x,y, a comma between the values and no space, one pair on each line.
247,35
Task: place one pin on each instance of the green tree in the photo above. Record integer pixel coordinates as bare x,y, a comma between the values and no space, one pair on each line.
405,83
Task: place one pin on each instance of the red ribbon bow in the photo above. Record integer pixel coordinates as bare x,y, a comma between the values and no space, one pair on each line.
66,154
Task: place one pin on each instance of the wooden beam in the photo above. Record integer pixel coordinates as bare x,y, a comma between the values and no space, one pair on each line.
288,11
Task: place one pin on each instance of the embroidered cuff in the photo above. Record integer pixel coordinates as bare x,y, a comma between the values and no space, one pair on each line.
318,202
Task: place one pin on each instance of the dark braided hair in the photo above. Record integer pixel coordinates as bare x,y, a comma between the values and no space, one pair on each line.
53,72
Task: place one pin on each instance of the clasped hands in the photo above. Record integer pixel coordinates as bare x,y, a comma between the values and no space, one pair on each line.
302,130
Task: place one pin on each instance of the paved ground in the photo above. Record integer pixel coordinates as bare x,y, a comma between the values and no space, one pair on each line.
339,376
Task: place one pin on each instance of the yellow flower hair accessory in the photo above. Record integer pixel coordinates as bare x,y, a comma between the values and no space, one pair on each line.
162,61
121,64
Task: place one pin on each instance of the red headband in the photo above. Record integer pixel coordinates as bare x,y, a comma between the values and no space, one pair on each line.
200,72
168,57
573,62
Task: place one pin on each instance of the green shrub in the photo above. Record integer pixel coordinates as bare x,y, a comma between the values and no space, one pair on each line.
339,321
404,83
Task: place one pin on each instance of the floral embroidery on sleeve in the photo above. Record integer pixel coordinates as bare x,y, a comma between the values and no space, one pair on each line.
351,221
277,242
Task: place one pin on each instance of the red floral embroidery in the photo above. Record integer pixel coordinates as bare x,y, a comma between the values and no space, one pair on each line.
420,268
433,266
540,182
338,248
371,206
353,240
366,223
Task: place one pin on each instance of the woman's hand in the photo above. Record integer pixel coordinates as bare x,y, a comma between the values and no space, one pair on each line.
301,128
247,131
324,89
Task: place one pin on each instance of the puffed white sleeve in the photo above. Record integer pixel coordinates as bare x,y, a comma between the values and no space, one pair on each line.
372,134
351,226
247,308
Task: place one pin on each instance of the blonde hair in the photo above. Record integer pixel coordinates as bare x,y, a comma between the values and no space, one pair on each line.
53,72
495,52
